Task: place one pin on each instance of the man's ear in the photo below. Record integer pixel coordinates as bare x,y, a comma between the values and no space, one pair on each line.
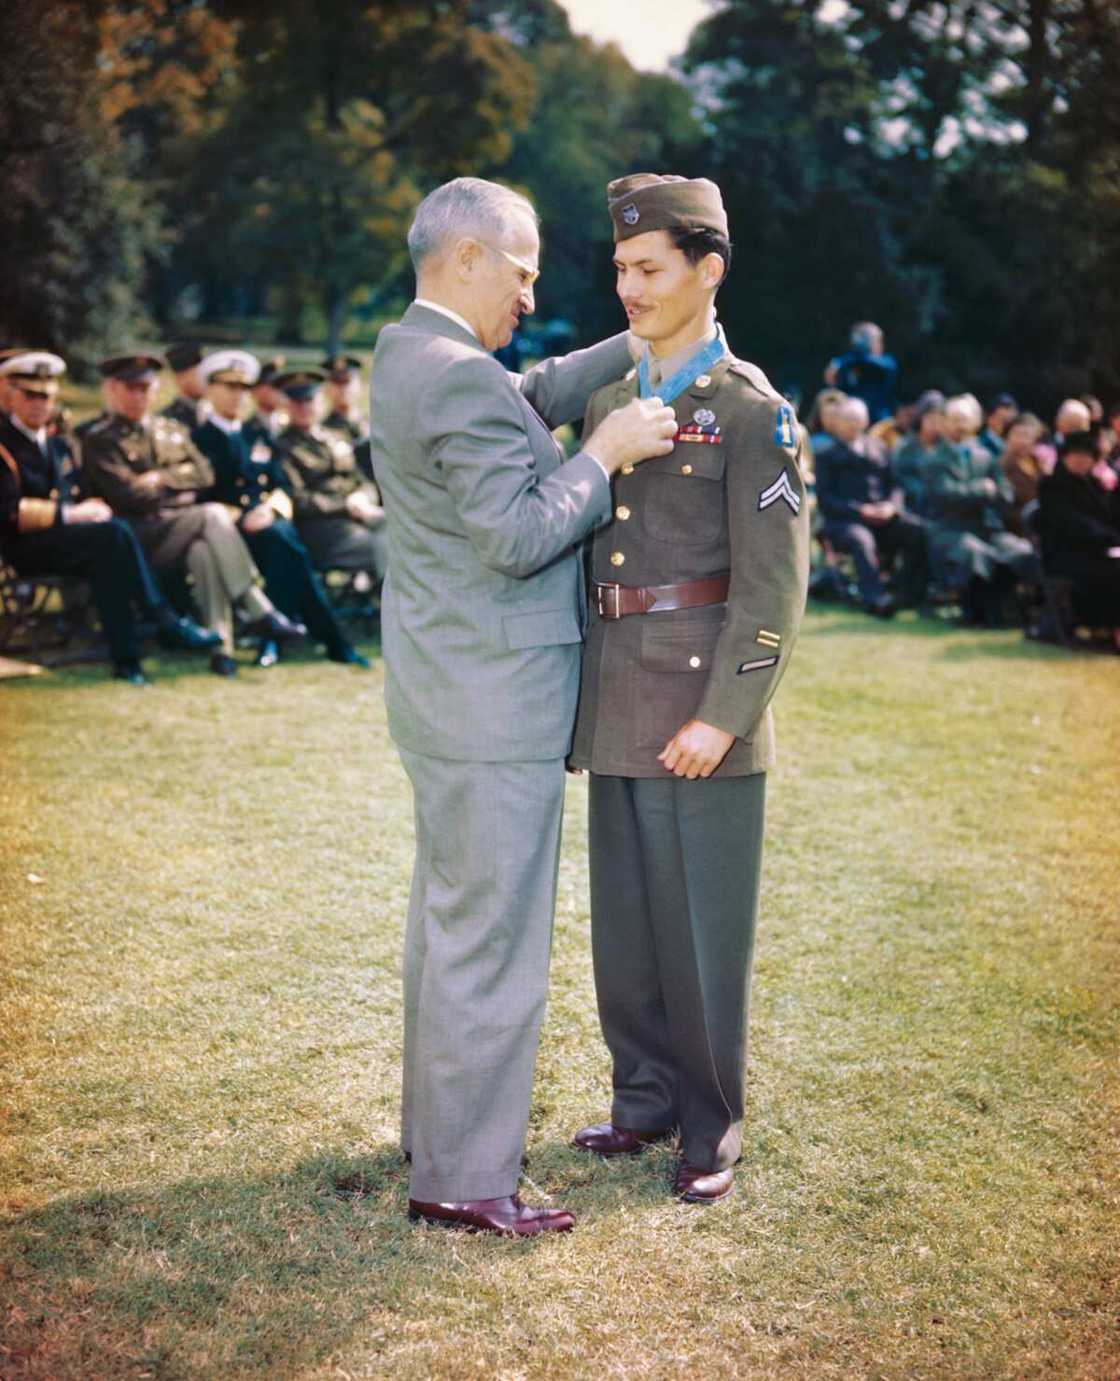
465,256
711,270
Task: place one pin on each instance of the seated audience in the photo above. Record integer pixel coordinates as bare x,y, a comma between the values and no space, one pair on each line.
270,415
151,474
862,507
966,497
1002,409
250,481
890,431
913,451
43,531
1079,525
1021,466
338,511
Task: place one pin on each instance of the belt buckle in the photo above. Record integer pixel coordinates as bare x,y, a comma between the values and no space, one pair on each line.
603,600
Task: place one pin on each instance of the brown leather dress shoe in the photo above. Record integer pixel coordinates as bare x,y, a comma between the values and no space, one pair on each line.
508,1216
607,1139
701,1186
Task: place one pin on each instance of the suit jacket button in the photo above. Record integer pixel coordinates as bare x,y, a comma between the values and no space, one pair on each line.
617,558
694,661
627,469
686,469
622,513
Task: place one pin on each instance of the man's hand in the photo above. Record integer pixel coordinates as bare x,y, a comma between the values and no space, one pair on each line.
257,519
88,511
696,750
876,513
1114,552
988,487
645,427
151,482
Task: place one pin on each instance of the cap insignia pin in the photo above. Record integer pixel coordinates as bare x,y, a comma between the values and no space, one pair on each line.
631,215
705,416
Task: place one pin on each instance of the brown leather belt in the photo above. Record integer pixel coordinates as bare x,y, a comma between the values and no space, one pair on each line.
617,601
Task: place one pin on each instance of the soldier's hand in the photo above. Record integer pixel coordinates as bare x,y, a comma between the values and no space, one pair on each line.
696,750
257,519
88,511
150,480
644,428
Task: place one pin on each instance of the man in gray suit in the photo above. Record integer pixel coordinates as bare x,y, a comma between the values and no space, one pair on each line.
482,616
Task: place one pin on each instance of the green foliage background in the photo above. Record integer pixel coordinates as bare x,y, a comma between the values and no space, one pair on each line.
223,168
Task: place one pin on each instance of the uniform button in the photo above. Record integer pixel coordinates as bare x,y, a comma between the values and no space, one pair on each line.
617,558
686,469
627,469
622,513
702,380
694,661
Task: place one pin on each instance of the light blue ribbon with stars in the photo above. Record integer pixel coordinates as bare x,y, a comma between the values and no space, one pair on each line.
670,389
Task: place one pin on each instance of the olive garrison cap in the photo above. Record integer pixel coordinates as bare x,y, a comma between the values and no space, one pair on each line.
648,201
129,367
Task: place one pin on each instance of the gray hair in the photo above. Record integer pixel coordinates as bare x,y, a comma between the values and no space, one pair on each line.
965,405
464,206
853,407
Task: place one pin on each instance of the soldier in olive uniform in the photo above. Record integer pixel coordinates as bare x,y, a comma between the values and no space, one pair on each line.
698,588
189,407
48,528
343,372
337,511
250,481
152,474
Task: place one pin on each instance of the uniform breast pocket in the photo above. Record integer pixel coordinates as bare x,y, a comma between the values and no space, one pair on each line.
675,661
685,495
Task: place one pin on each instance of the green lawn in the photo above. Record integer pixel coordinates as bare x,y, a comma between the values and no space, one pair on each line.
200,1045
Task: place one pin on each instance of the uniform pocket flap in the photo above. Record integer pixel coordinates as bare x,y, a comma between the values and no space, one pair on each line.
695,460
541,628
681,648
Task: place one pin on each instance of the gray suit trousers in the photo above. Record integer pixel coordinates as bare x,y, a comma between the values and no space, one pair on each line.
476,968
674,898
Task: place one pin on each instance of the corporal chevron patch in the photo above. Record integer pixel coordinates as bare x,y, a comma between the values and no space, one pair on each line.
759,665
780,489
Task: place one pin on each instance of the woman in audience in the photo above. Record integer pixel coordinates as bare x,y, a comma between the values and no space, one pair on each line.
1021,465
1079,523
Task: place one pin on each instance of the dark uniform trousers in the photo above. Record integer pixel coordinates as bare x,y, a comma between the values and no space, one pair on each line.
674,903
675,863
247,474
873,547
106,553
291,583
109,557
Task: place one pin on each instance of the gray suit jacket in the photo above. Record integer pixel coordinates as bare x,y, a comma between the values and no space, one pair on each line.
482,610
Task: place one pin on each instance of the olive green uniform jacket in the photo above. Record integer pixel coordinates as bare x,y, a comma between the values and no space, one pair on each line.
738,506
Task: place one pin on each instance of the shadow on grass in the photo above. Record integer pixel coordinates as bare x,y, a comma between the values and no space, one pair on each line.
254,1276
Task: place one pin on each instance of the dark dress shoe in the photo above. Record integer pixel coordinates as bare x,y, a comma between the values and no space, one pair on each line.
130,672
183,633
222,664
276,625
882,608
508,1216
608,1140
349,656
269,653
701,1186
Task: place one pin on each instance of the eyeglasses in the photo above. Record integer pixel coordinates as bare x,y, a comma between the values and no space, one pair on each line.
526,271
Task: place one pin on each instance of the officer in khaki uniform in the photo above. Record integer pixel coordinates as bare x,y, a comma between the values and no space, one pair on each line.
698,588
150,473
337,510
190,406
343,373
